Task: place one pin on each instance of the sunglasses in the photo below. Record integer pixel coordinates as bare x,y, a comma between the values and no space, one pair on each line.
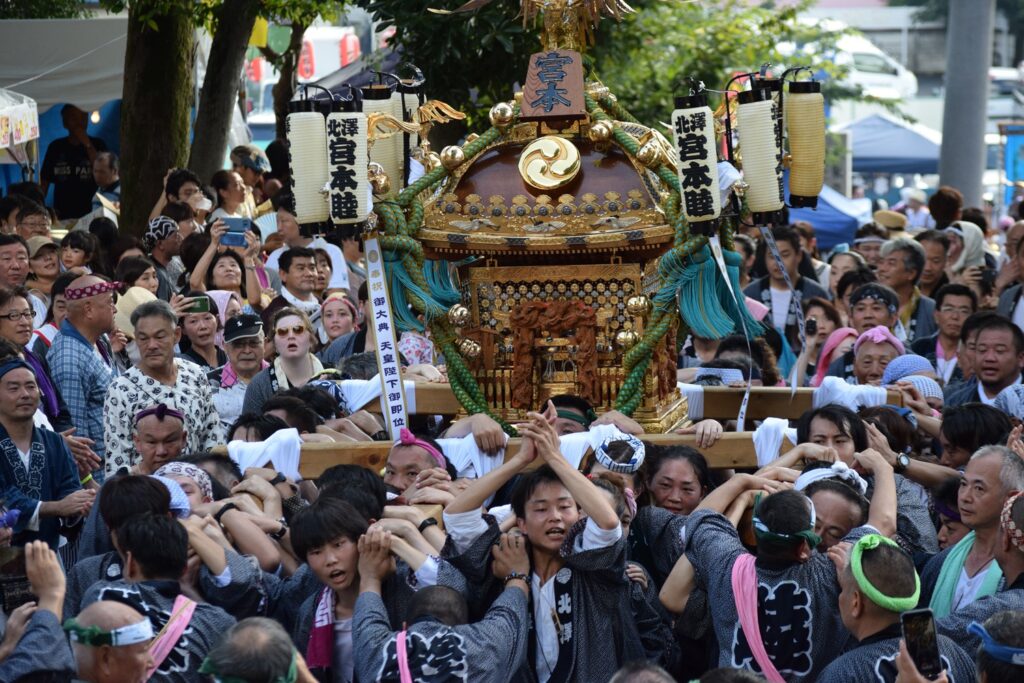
283,331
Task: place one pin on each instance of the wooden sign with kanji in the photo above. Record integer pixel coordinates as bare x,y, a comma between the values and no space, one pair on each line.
554,86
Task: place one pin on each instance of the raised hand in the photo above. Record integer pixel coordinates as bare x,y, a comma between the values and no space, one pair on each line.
542,433
375,556
510,555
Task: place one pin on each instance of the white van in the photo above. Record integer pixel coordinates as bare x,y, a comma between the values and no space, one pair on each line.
878,73
867,66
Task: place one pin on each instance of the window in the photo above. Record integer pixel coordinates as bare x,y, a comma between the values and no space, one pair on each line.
872,64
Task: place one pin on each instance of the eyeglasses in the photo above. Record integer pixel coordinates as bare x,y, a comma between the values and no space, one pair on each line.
955,309
15,316
35,226
296,329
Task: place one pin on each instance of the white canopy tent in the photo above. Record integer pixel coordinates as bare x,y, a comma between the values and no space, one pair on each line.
54,61
80,62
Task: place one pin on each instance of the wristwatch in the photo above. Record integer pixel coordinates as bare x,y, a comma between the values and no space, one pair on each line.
428,522
517,575
280,533
902,463
228,507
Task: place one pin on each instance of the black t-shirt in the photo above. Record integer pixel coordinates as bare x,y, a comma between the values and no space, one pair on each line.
67,166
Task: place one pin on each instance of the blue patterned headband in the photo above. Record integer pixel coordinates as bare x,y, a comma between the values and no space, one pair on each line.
628,467
996,650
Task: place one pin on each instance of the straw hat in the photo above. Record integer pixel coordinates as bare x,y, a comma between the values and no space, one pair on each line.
126,305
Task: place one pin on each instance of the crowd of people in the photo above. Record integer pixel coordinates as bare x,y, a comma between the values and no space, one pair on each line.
153,552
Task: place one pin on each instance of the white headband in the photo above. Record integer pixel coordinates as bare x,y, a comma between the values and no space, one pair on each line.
141,632
839,470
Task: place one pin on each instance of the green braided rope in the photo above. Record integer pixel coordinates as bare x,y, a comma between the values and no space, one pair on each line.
399,231
615,109
638,358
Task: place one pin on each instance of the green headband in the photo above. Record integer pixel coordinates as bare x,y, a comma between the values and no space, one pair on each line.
576,417
94,636
763,533
870,542
290,677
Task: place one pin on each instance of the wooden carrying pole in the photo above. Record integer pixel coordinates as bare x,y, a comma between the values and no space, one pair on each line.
732,450
720,403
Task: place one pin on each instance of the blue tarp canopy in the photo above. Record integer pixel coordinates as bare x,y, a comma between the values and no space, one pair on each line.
883,144
836,219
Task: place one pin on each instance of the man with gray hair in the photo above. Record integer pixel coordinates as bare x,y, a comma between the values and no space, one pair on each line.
256,650
969,570
1009,553
900,267
159,378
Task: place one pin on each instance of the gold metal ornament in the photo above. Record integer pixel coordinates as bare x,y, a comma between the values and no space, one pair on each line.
626,339
431,160
601,131
502,115
471,137
379,180
459,315
649,154
549,162
638,305
469,348
452,157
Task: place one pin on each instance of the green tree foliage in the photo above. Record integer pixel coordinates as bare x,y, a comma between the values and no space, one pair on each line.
650,57
472,60
469,60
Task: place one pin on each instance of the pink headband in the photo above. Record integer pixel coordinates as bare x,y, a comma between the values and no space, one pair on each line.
348,304
831,344
407,438
879,335
75,293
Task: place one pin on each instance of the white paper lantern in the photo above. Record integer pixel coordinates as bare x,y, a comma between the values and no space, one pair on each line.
805,128
693,126
762,155
307,156
409,99
347,157
379,99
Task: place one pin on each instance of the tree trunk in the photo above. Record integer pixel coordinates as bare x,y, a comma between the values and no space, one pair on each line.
219,96
155,108
284,89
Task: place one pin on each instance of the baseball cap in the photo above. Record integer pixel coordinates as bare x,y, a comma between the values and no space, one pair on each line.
242,326
39,242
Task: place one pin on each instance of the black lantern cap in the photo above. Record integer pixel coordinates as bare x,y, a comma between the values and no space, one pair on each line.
691,101
755,95
804,87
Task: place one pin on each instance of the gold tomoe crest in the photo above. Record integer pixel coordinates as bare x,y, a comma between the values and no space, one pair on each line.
549,163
